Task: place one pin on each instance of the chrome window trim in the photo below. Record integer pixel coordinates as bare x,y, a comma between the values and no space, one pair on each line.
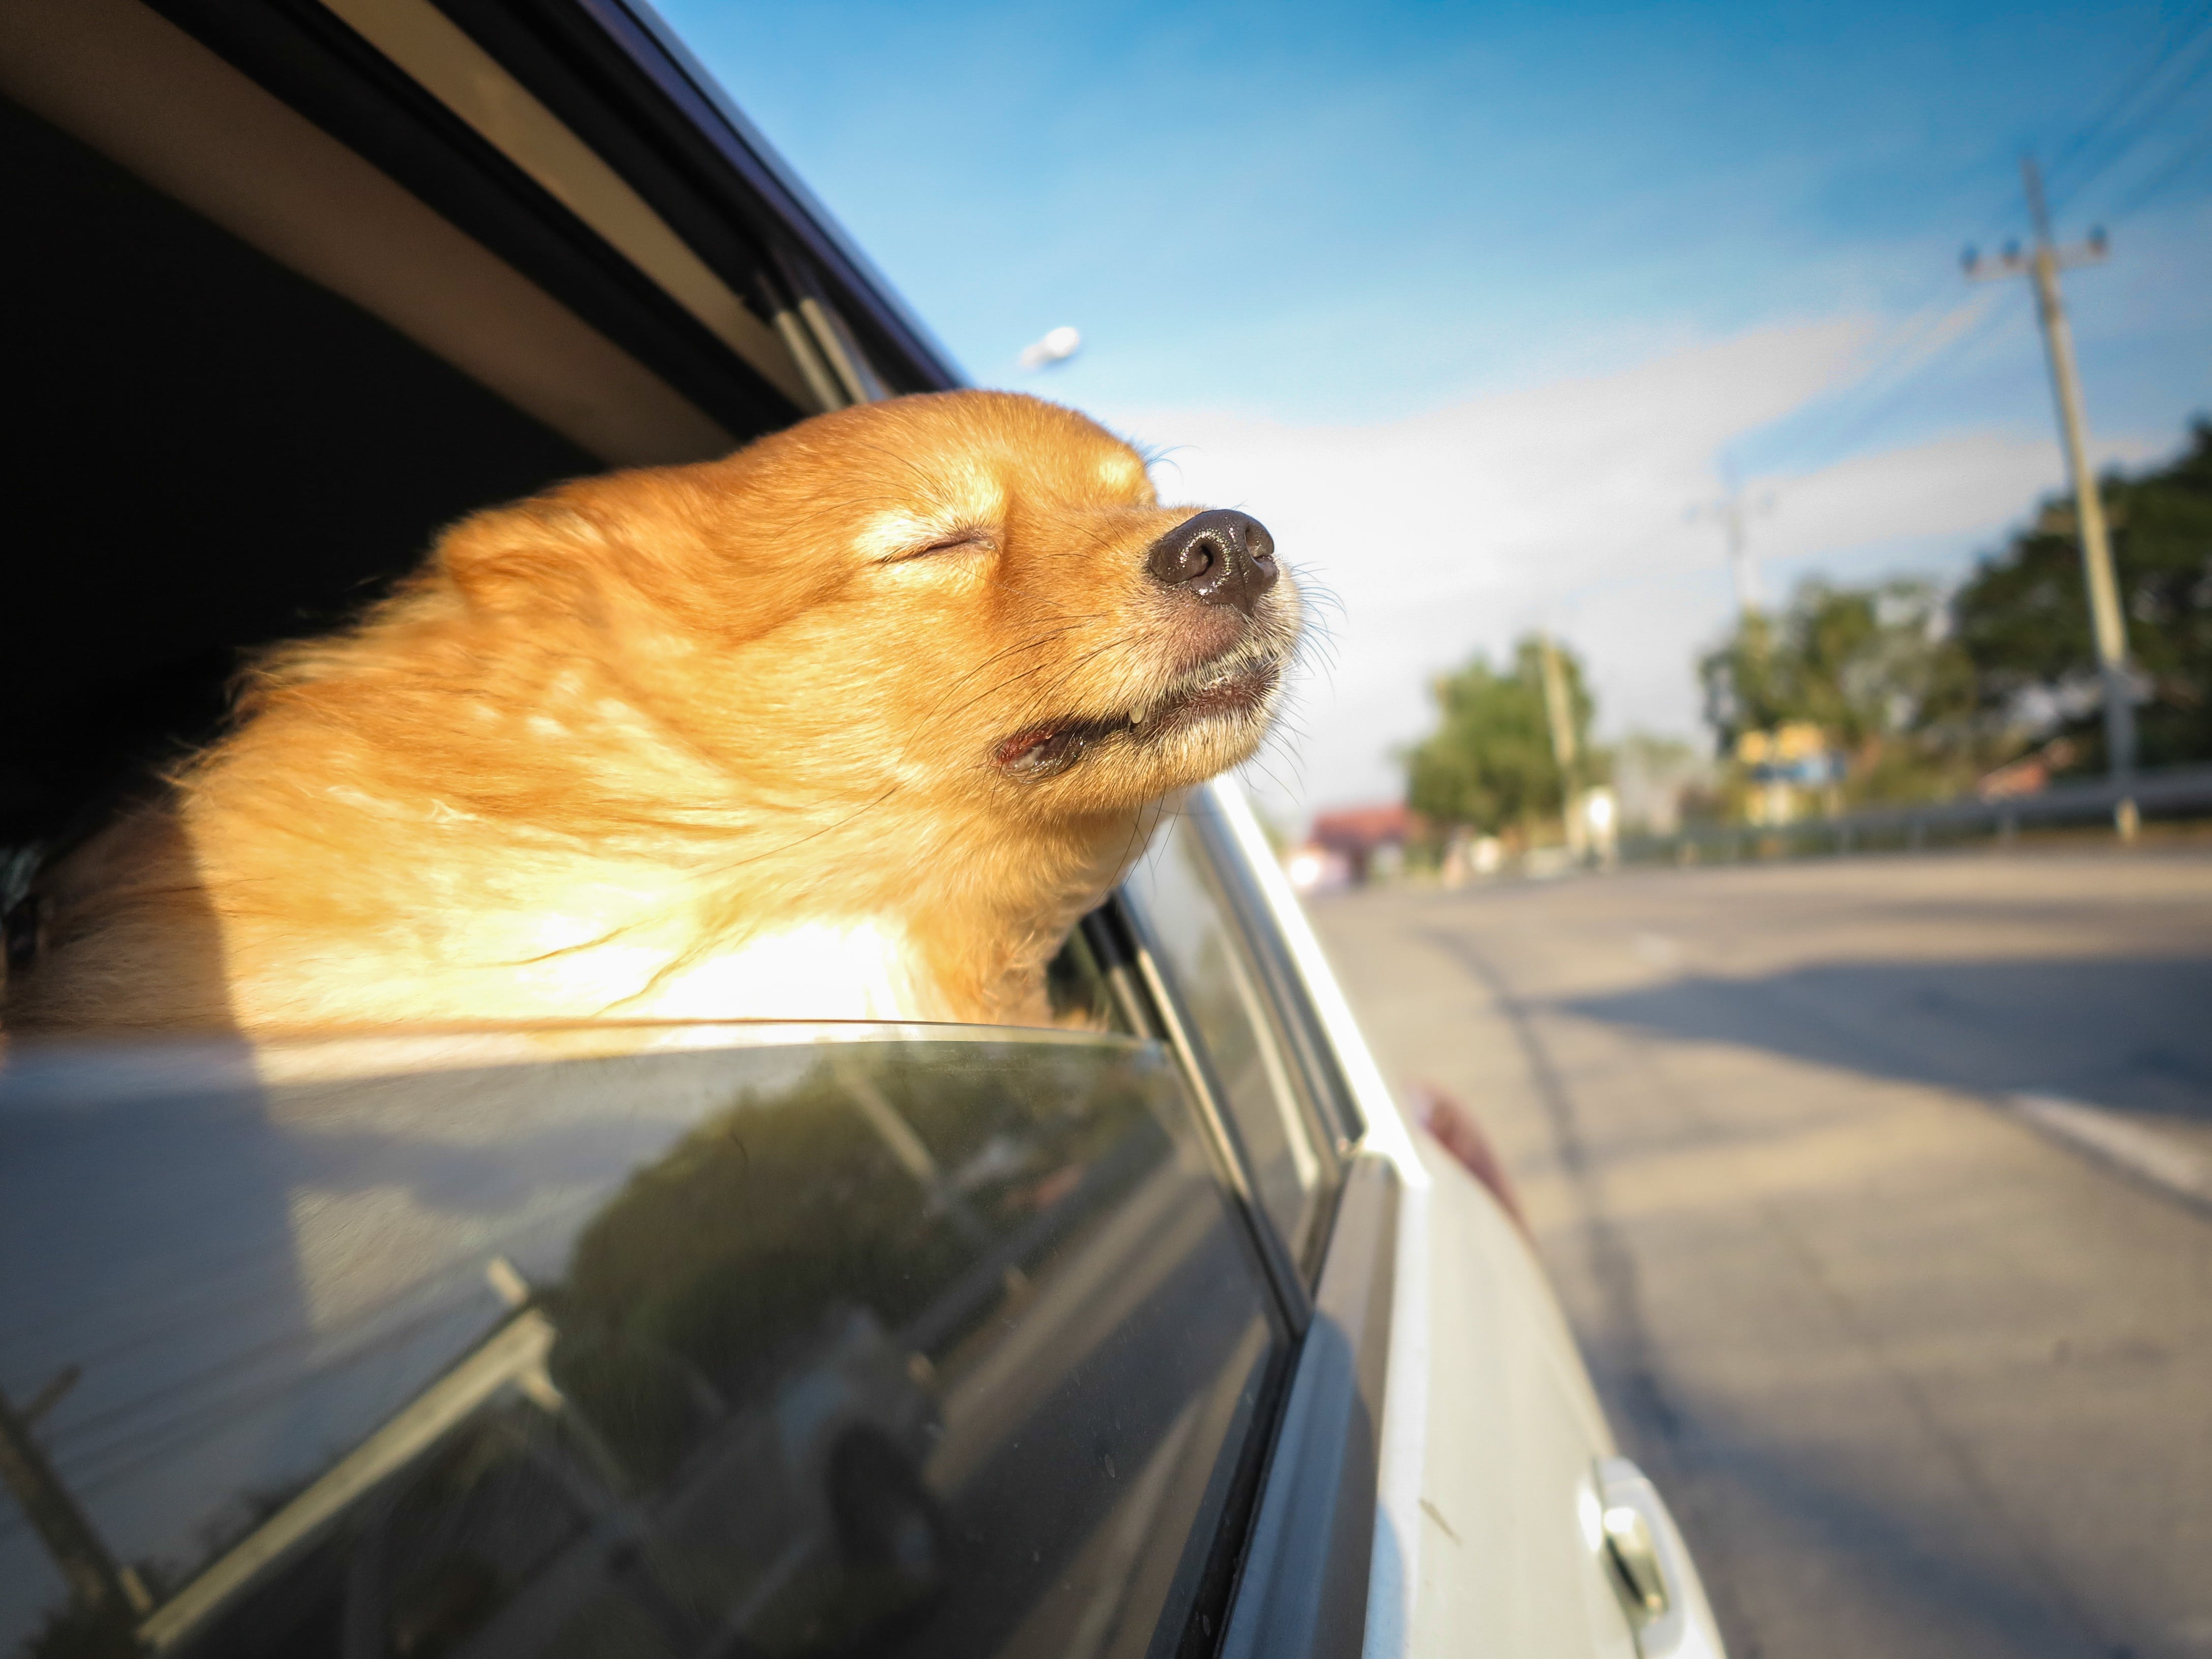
1307,1574
440,57
657,51
1206,1090
1393,1569
41,1073
131,85
1318,1095
1382,1128
306,55
805,349
1340,1122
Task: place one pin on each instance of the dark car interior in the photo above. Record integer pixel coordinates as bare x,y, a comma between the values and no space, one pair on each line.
204,462
207,356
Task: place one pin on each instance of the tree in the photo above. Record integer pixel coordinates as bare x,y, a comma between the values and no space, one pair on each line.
1489,764
1874,668
2023,620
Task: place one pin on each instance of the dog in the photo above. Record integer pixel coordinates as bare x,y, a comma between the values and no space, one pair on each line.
854,723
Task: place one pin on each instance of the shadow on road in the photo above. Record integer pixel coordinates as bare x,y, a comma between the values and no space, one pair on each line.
2126,1032
1891,1576
1920,1585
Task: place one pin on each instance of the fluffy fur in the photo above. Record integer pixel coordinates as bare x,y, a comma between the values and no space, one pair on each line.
855,722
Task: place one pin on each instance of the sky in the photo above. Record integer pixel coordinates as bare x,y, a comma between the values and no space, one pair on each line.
1472,304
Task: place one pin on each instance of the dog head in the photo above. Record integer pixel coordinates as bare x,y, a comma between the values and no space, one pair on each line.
967,598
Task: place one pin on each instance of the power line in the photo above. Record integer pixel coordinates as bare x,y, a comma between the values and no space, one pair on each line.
1892,372
2194,149
1916,345
1887,378
2062,191
1843,441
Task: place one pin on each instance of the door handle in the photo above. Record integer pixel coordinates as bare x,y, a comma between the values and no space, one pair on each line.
1642,1555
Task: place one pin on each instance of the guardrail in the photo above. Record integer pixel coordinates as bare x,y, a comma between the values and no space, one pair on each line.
2173,792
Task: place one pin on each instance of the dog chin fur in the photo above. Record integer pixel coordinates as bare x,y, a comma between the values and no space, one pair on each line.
717,742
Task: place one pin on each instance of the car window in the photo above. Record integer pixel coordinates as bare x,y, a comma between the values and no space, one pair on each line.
945,1345
1220,990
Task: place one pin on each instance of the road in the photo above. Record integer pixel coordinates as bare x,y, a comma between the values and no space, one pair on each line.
1922,1358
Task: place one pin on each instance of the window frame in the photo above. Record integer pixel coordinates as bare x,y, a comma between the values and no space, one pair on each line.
1306,1556
1333,1120
1342,1126
1119,929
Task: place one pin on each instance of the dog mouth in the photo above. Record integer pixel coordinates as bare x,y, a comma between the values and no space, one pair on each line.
1237,688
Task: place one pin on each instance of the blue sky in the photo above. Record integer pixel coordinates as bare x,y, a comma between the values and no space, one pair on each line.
1574,255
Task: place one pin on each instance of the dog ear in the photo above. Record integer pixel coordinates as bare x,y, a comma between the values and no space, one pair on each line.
678,547
534,555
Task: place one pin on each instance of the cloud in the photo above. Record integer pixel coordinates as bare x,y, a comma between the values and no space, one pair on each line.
1563,505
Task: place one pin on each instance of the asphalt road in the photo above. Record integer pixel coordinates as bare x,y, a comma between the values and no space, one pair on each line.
1867,1186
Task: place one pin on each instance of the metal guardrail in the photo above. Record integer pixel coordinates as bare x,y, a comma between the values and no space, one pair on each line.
2174,792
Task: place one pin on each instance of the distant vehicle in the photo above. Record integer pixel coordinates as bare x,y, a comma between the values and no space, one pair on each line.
1158,1333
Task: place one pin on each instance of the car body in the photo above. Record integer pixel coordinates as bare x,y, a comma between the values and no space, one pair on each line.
1161,1332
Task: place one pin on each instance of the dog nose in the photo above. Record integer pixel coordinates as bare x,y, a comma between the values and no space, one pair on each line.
1223,556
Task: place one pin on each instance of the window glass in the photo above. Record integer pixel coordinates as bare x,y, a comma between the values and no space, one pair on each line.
876,1344
1221,990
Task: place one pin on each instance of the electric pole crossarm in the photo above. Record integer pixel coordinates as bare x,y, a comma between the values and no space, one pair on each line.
2014,263
1734,514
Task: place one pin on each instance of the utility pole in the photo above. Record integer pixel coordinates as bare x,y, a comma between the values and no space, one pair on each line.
1559,716
96,1582
2108,625
1735,513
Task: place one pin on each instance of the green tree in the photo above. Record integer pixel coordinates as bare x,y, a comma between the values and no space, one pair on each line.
2022,617
1489,764
1875,668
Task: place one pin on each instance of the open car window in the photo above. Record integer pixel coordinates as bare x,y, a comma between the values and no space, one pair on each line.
931,1343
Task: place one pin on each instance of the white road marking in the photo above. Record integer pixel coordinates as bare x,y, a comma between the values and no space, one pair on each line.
2128,1147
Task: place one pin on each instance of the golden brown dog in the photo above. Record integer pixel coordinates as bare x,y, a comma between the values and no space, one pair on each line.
854,723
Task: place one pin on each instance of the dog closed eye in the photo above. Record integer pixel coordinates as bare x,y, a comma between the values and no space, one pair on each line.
957,541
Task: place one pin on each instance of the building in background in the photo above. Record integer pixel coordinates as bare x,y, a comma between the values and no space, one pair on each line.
1657,782
1794,770
1371,842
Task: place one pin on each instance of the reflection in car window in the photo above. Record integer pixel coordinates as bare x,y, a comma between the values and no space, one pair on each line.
1263,1094
898,1347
